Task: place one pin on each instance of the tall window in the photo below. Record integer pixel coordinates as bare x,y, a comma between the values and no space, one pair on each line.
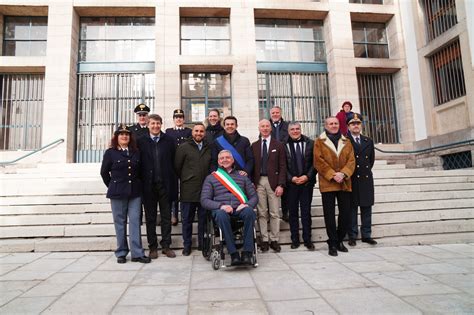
25,36
440,16
290,40
367,1
117,39
201,92
21,111
303,97
370,40
448,74
377,106
205,36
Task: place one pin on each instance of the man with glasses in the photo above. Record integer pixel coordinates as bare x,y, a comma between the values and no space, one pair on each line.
140,129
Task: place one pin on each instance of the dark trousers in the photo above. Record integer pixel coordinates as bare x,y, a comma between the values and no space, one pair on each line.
299,197
366,222
158,195
175,208
284,202
188,211
222,219
336,235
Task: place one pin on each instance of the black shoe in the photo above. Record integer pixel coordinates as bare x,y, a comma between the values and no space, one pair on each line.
275,246
235,259
352,242
295,245
369,240
143,260
186,251
340,247
264,247
121,260
332,251
310,246
200,248
246,258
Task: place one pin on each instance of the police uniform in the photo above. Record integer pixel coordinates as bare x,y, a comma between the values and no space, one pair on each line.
137,130
179,134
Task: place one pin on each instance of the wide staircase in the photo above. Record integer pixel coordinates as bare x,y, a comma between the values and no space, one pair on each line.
62,207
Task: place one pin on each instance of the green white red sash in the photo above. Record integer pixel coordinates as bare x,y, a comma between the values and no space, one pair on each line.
224,178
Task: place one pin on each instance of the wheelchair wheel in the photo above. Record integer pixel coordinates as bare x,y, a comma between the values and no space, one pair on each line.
216,260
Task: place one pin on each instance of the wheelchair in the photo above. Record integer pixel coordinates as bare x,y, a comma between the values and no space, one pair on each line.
214,247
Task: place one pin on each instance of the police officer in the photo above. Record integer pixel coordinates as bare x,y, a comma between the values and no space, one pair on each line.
362,182
140,129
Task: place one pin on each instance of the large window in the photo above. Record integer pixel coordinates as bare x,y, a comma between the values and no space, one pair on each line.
21,111
370,40
25,36
201,92
440,16
303,97
117,39
377,106
448,75
290,40
205,36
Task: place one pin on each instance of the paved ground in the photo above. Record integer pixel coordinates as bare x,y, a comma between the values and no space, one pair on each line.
379,280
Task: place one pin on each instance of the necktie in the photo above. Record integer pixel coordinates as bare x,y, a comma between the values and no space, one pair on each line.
264,158
299,159
199,146
277,131
126,151
358,140
156,138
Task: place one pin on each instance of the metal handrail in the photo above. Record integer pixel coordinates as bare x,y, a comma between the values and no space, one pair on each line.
32,152
427,149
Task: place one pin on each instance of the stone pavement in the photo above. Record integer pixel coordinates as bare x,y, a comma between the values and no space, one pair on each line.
378,280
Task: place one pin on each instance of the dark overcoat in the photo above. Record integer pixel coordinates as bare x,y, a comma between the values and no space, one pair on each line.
362,179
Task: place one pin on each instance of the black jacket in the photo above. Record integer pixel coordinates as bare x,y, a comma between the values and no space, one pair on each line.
283,128
180,136
308,168
138,132
241,145
362,179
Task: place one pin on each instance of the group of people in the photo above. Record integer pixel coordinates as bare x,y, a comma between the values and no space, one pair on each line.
211,167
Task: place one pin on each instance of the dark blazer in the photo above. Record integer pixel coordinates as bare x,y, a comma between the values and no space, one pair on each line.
167,149
362,179
137,131
180,136
121,174
283,128
308,167
276,171
242,145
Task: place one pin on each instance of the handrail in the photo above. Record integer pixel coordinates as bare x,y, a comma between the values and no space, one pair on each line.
426,149
32,152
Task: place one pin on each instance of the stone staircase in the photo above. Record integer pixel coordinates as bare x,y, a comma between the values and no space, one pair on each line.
63,208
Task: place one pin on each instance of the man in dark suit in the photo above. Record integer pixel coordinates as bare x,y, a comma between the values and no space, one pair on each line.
157,151
140,129
301,177
269,177
362,182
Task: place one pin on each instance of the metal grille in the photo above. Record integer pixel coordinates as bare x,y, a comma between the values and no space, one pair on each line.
448,74
440,16
303,97
104,101
21,111
377,103
457,160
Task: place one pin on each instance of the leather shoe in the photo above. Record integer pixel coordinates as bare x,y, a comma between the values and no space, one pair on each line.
246,258
235,259
168,252
121,260
352,242
332,251
264,247
310,246
143,260
369,240
340,247
186,251
285,217
275,246
295,245
153,253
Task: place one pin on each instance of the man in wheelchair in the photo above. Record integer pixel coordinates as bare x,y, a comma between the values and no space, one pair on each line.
227,193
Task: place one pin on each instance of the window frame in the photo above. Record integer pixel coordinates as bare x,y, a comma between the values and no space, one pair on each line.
366,43
205,39
29,40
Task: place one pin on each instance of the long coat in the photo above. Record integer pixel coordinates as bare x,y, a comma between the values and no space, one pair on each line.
362,179
121,174
328,160
308,167
192,166
276,163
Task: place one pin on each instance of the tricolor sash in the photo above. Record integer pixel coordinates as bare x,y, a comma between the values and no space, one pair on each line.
224,178
227,146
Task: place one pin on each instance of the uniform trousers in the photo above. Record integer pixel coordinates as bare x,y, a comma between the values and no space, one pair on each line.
366,222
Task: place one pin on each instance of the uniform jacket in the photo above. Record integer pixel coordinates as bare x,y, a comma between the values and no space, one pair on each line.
308,167
120,173
137,131
214,194
276,164
328,161
283,127
362,179
167,149
180,135
242,145
192,166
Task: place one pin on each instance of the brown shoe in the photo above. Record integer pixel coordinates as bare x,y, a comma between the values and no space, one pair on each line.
168,252
153,253
174,220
